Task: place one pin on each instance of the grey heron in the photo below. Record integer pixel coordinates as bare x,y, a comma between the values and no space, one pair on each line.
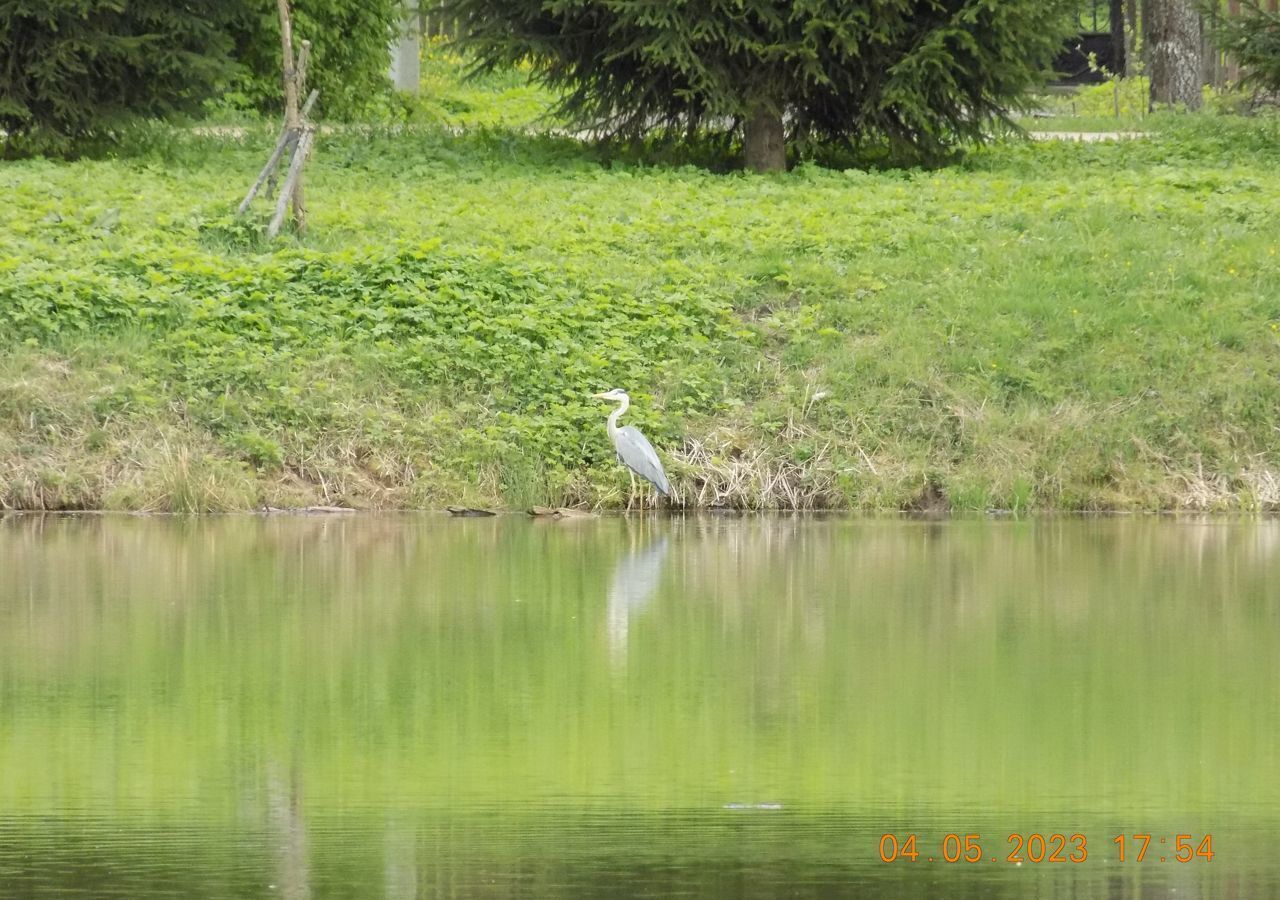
633,448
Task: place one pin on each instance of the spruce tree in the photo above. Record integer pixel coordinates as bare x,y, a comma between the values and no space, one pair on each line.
1252,38
921,74
69,68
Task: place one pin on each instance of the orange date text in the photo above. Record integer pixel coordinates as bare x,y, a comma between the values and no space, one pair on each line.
1035,847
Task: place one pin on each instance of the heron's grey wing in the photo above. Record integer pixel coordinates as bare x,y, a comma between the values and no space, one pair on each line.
638,455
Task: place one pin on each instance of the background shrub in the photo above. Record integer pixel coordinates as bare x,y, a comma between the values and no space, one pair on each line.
349,46
72,70
69,68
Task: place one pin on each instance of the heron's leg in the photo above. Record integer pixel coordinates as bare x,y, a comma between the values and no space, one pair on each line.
632,493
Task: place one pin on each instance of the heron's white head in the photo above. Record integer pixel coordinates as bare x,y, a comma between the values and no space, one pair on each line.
617,395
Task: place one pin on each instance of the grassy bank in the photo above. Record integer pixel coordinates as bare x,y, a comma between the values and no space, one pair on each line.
1042,326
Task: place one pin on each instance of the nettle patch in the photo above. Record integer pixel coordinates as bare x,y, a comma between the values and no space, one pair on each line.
230,337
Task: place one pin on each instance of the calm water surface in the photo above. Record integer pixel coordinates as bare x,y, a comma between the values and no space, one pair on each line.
413,706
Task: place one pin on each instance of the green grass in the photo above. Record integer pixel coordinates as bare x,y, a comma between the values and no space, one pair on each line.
1039,326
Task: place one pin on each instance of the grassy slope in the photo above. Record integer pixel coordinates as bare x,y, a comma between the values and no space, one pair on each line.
1044,326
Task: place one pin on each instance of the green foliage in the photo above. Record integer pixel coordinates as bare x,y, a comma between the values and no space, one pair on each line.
69,68
922,75
502,98
1117,104
1057,324
1121,98
257,450
1253,39
73,72
349,57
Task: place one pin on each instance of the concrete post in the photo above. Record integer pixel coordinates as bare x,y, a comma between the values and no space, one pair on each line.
404,52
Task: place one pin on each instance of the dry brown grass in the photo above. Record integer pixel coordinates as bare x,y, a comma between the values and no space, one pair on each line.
59,450
723,470
1254,488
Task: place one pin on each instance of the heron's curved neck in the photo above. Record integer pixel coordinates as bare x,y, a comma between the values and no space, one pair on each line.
617,414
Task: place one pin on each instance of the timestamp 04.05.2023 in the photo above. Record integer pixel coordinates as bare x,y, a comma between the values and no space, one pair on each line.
1034,847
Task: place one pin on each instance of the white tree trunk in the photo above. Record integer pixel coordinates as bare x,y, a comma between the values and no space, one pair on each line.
1175,53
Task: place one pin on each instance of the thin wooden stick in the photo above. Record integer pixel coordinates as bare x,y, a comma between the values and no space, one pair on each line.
296,137
290,184
290,81
299,201
300,76
294,76
267,170
290,147
299,198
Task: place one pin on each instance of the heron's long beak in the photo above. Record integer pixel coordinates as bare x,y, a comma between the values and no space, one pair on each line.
601,395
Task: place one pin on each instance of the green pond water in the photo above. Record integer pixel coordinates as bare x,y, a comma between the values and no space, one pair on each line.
418,706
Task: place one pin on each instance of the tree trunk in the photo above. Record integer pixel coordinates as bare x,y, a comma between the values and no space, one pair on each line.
1131,39
1209,69
1175,53
289,72
764,141
1232,67
1117,38
1144,26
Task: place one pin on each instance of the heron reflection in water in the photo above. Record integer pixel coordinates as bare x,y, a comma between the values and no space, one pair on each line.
633,449
635,580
